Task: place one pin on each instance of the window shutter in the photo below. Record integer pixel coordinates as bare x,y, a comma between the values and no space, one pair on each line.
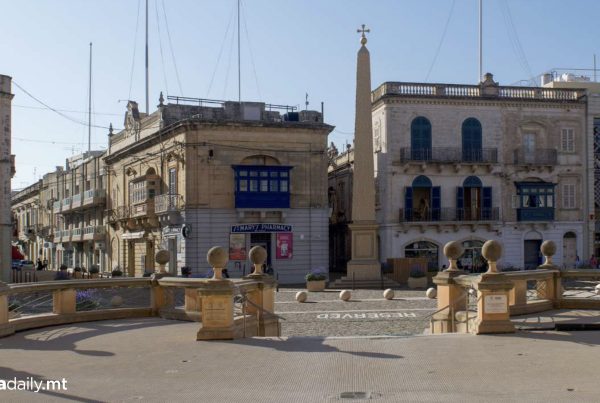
435,203
487,203
408,203
460,203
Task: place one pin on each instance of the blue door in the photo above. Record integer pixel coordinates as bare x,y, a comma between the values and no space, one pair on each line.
420,139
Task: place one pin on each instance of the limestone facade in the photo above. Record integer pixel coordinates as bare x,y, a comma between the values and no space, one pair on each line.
479,162
61,218
7,171
193,175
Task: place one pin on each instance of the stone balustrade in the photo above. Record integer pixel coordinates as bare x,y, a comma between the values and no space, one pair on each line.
225,308
483,303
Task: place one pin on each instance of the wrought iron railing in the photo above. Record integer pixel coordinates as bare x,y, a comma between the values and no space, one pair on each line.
449,214
539,156
449,154
168,202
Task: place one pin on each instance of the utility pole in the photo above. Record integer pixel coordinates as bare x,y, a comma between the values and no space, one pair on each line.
147,74
90,105
480,41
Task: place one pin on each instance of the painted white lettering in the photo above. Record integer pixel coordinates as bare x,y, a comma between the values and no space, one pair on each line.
372,315
335,316
410,314
360,316
385,315
322,316
347,316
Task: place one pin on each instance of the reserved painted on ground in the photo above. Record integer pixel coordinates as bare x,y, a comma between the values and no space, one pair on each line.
367,315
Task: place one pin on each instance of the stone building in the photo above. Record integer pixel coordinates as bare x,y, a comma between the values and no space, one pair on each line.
27,213
77,196
198,173
7,171
479,162
340,203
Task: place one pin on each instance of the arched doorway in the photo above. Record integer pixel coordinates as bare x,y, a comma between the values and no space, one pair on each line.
424,249
472,260
569,250
532,256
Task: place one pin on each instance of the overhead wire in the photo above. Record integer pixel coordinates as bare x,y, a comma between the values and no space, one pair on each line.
162,58
58,112
250,49
515,41
437,52
65,110
226,81
134,49
220,51
171,47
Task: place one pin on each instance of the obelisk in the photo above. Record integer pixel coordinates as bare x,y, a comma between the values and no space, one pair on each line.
364,263
6,168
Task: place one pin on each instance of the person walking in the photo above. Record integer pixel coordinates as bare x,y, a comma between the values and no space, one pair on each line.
593,262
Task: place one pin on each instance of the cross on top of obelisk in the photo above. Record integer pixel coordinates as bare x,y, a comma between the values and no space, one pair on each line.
363,38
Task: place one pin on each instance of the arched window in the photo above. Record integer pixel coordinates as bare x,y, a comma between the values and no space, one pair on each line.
422,200
423,249
471,140
420,139
474,201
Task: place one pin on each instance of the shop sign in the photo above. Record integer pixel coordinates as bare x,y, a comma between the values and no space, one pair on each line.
171,231
237,246
264,227
284,245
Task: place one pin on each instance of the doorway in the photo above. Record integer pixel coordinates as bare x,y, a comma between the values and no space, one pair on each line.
264,240
569,250
131,258
532,255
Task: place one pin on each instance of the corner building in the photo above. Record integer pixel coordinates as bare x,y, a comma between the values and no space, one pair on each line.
477,162
199,173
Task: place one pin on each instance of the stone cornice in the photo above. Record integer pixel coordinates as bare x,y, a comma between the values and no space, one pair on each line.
464,101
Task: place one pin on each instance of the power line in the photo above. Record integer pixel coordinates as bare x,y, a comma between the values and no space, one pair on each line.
220,52
162,58
134,49
437,52
171,47
250,49
58,112
66,110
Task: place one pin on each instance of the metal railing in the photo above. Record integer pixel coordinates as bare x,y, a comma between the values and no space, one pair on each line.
118,213
449,155
539,156
168,202
449,214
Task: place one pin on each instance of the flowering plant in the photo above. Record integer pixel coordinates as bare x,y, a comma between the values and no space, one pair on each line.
316,275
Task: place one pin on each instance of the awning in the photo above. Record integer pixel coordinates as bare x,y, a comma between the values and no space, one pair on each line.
16,254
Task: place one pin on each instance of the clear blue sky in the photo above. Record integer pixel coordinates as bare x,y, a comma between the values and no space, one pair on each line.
289,48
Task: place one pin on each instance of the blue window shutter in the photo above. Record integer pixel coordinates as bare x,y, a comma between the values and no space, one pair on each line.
487,203
435,203
408,203
460,203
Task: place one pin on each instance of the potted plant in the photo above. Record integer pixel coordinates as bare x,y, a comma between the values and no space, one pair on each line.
431,273
315,280
116,272
417,279
77,272
94,271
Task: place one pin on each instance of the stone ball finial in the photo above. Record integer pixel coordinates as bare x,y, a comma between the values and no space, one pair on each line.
217,257
258,255
491,251
363,40
453,250
345,295
548,248
301,296
162,256
388,294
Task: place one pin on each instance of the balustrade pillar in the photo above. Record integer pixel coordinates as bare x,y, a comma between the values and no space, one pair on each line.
5,327
264,297
493,290
64,301
450,296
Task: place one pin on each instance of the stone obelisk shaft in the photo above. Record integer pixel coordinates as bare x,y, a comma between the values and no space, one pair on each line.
364,264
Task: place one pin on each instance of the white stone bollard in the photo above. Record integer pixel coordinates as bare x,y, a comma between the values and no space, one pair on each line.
431,293
301,296
345,295
116,301
388,294
598,289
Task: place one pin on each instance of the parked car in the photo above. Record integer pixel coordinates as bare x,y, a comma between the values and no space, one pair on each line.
22,264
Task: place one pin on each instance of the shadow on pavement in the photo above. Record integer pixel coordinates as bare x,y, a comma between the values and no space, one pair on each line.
65,337
307,345
586,338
